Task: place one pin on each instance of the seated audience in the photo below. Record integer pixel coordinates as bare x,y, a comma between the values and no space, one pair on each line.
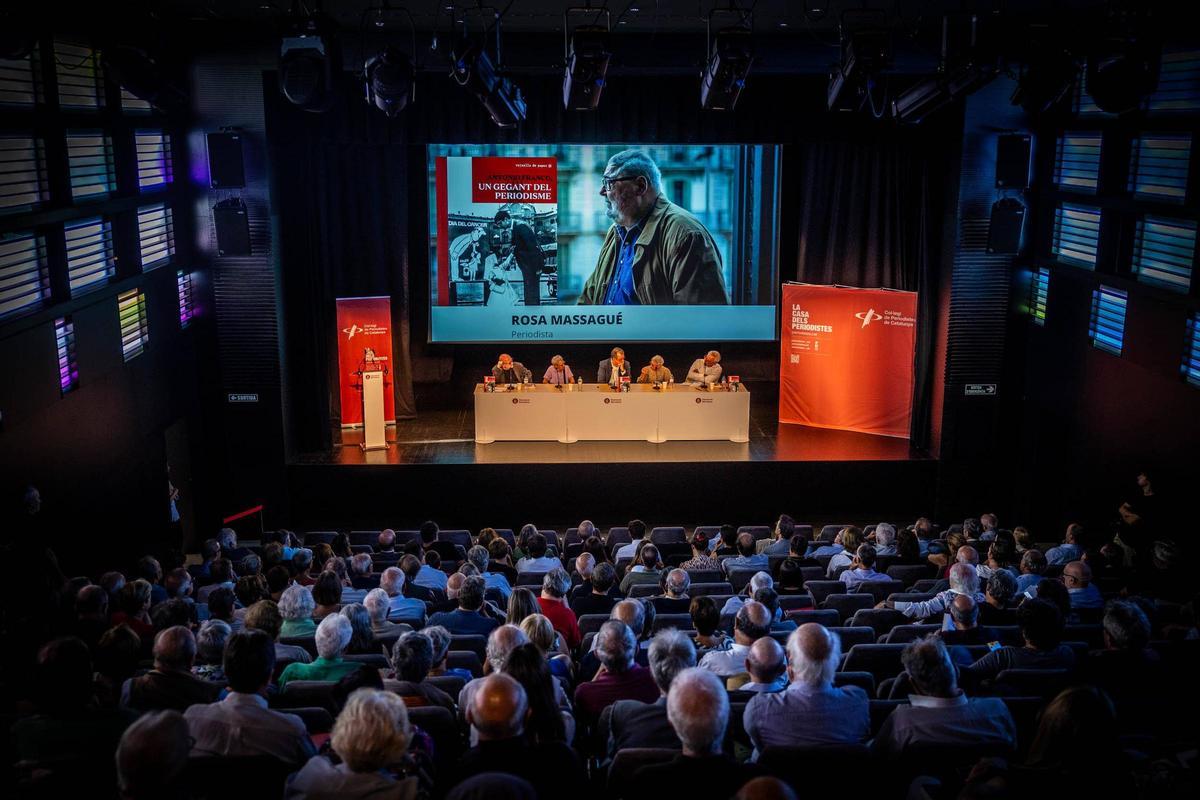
1041,626
939,714
210,650
766,668
727,542
811,712
133,609
1130,672
151,757
963,580
770,599
296,607
170,684
536,558
362,640
760,580
553,603
884,538
478,556
698,710
386,541
391,582
599,595
1085,596
1070,550
1033,564
264,616
746,559
674,599
780,543
241,724
333,637
862,569
619,678
439,637
706,619
639,533
378,606
500,560
360,567
411,660
752,623
521,603
700,559
430,574
851,538
91,615
220,576
646,569
468,617
550,718
327,595
542,635
1001,589
370,737
635,723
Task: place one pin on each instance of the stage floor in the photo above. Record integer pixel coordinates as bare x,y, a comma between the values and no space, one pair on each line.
447,436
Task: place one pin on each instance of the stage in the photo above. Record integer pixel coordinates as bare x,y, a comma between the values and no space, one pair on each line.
433,468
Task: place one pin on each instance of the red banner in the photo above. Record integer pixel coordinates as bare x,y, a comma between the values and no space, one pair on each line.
496,179
364,344
847,358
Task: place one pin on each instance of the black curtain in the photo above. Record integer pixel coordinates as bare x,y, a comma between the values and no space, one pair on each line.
867,213
348,187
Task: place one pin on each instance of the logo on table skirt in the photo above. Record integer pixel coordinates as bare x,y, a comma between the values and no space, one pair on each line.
700,400
609,400
522,401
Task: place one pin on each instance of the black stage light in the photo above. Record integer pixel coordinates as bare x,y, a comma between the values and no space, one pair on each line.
588,54
729,60
142,76
389,80
961,71
866,49
472,68
1049,71
1122,71
309,59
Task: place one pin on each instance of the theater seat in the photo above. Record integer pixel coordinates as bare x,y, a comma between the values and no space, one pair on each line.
309,643
880,590
640,590
791,602
847,604
908,574
822,589
221,777
465,659
740,578
863,680
881,660
374,660
903,634
473,643
459,537
757,531
668,534
1044,683
306,694
850,635
822,616
627,762
821,771
701,589
590,623
370,538
450,684
705,575
441,725
316,720
677,621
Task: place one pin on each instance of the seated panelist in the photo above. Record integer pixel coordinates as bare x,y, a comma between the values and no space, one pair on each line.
509,371
705,370
614,368
558,373
656,372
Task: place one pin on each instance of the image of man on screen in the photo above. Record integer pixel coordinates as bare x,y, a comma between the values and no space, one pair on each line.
525,250
656,253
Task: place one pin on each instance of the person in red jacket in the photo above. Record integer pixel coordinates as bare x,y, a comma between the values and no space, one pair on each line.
553,602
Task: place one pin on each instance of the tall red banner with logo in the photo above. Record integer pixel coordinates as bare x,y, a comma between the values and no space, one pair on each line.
364,327
847,358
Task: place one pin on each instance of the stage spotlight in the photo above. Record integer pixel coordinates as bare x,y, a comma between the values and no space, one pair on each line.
958,75
866,51
1049,72
141,76
472,68
588,54
389,80
309,60
729,60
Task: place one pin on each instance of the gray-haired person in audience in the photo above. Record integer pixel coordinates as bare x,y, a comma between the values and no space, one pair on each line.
210,650
171,684
478,556
241,724
1033,564
811,712
264,616
674,599
753,621
939,714
759,580
296,606
371,733
362,640
332,638
151,757
360,572
411,659
400,607
439,637
378,606
1001,588
885,539
620,677
698,709
963,580
632,723
766,667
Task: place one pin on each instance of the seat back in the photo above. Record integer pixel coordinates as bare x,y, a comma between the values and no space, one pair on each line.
459,537
879,590
847,604
908,574
822,589
590,623
822,616
881,619
645,590
531,579
794,602
374,660
740,578
208,777
316,720
828,532
465,659
881,660
701,589
470,642
679,621
757,531
705,576
507,535
668,534
450,684
364,537
925,585
306,694
850,635
627,762
1044,683
309,643
863,680
319,537
820,771
903,634
441,725
617,536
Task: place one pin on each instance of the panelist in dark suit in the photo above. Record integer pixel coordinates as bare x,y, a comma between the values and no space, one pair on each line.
613,369
509,371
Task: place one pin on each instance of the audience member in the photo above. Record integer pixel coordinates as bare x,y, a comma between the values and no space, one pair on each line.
746,559
536,559
619,677
646,569
210,650
766,667
752,623
332,638
700,559
411,660
553,603
391,582
862,569
264,616
640,535
706,619
170,684
602,595
296,607
550,718
1077,577
468,617
478,556
362,640
674,599
1041,627
780,543
635,723
1033,564
1070,550
1001,589
152,756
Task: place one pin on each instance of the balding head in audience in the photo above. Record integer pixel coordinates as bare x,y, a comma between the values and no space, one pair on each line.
584,564
387,540
765,661
392,581
454,585
632,613
698,710
677,584
151,756
964,612
753,621
501,642
967,555
964,579
174,650
813,655
764,787
498,708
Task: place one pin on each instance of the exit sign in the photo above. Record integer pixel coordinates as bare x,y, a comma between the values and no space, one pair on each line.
980,390
243,398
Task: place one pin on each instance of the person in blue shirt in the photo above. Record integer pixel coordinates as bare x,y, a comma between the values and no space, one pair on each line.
468,618
399,606
478,556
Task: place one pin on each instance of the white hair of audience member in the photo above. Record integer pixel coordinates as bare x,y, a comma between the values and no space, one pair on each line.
671,652
392,581
885,534
303,558
698,710
806,661
586,528
439,637
211,640
227,538
678,582
360,564
616,646
478,556
501,642
964,579
296,603
372,731
584,564
967,555
377,606
761,580
333,636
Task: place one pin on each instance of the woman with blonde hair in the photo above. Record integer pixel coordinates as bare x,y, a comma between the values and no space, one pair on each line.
541,632
521,603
